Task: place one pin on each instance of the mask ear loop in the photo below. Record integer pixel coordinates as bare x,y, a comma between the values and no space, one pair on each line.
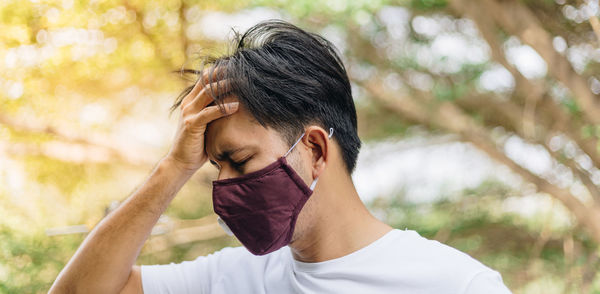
224,226
314,182
291,148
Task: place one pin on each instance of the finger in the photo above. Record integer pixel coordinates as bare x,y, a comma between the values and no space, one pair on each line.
216,89
210,74
190,96
206,96
213,74
211,113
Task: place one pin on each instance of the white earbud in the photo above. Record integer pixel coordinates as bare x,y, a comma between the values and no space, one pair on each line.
224,226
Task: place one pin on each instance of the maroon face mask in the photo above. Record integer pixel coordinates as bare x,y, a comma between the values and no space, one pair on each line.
260,208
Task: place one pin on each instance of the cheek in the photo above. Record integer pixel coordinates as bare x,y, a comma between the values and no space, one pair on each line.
306,218
301,167
258,161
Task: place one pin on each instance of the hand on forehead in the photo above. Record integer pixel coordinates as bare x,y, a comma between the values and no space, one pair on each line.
240,130
231,131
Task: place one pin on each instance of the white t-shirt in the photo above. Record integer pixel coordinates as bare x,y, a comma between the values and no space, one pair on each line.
399,262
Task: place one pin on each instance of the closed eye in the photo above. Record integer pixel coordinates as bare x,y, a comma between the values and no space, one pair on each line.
239,165
214,163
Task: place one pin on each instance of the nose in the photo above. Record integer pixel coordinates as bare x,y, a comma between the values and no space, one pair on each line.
226,173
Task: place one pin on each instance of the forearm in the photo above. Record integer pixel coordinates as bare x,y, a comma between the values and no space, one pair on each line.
103,261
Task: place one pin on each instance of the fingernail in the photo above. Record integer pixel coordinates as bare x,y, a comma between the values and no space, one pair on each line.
233,106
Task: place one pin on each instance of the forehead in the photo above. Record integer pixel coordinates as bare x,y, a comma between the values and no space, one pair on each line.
237,130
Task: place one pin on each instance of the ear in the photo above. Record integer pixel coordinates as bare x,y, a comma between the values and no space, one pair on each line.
318,142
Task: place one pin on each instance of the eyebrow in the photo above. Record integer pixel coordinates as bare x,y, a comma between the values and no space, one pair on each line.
226,154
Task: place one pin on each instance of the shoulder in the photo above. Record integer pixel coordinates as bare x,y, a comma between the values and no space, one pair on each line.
444,264
417,248
487,281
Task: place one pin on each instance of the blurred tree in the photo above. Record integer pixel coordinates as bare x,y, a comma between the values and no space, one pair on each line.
557,110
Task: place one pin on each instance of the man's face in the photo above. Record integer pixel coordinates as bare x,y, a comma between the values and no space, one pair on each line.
238,144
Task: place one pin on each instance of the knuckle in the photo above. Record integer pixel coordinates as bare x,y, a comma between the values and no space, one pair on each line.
207,87
205,74
188,122
203,112
203,91
186,109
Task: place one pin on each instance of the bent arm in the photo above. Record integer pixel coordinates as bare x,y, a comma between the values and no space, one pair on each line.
103,263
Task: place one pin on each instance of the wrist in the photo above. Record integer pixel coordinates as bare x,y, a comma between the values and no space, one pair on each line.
179,168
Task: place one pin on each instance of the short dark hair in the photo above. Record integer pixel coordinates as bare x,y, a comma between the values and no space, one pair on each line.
288,78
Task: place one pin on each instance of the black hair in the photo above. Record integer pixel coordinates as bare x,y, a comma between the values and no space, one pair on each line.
289,78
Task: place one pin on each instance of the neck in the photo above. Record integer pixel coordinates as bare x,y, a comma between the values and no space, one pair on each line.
333,235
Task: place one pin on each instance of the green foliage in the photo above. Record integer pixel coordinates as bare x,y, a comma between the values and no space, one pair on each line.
30,262
572,106
590,131
376,123
428,4
456,86
49,171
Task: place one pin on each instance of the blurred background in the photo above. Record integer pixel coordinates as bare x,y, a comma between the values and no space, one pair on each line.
480,121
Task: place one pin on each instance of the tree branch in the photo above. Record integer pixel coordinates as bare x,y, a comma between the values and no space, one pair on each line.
516,19
528,92
88,148
447,116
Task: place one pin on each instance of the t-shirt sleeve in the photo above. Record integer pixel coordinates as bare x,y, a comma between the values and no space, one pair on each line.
194,276
489,282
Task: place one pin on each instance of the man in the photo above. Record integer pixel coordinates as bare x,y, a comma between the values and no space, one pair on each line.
277,118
